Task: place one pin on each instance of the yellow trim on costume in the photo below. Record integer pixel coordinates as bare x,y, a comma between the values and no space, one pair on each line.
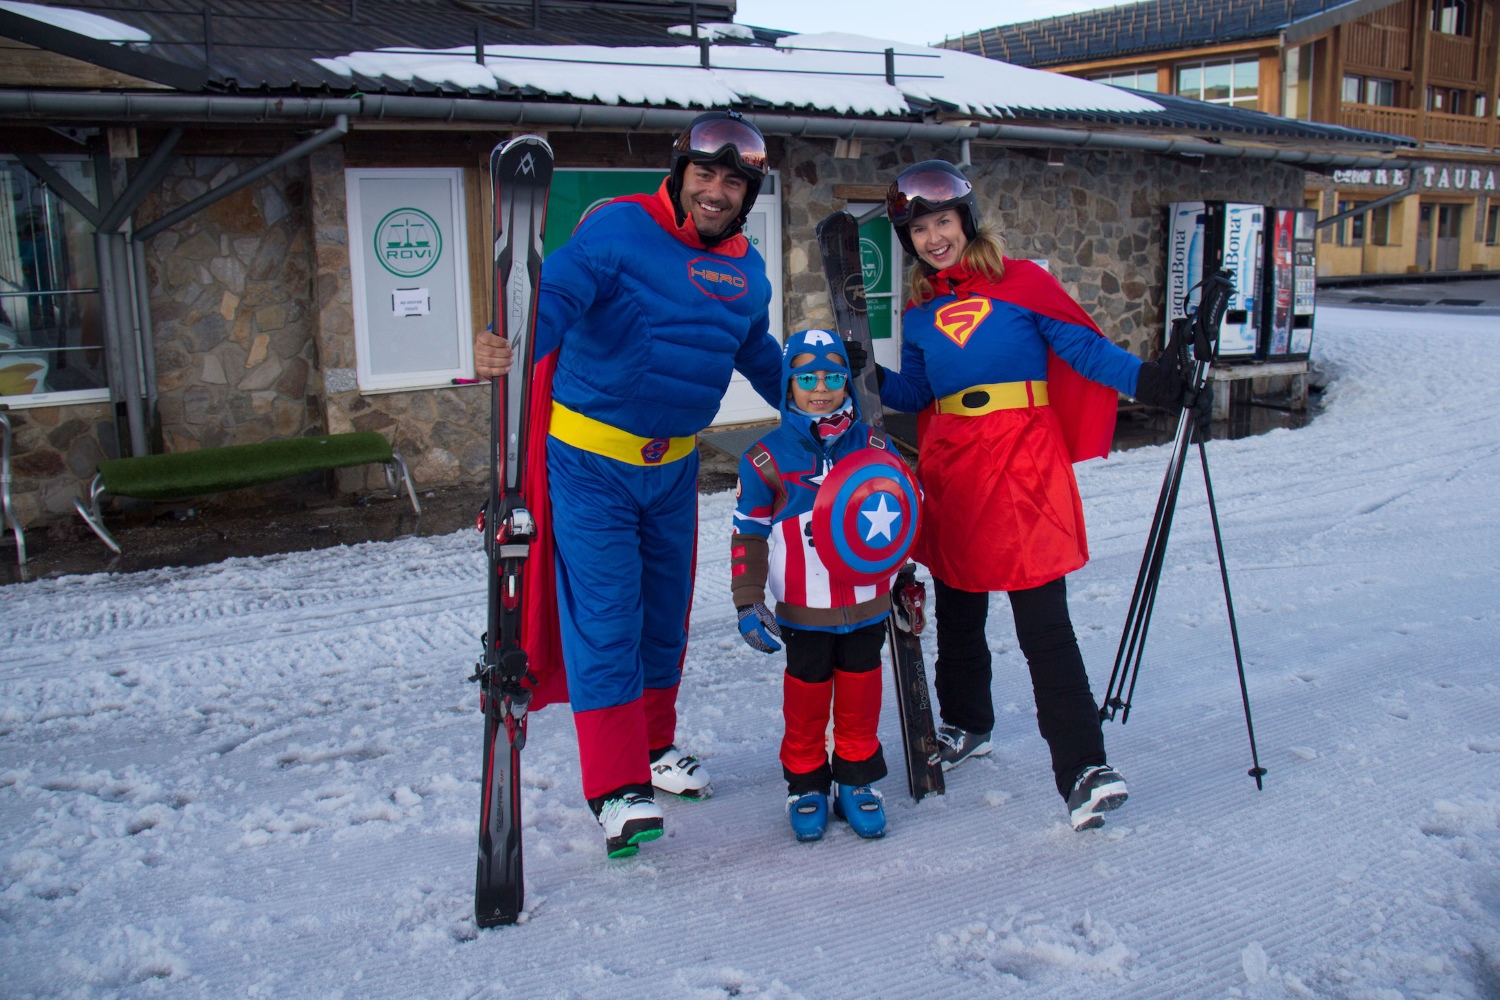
588,434
996,396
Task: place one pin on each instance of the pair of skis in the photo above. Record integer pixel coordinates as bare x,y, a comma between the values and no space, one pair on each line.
838,245
521,176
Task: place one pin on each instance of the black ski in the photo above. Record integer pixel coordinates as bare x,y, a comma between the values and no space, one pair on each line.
838,244
521,174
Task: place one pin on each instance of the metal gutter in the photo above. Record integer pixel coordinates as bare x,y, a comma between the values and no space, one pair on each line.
375,108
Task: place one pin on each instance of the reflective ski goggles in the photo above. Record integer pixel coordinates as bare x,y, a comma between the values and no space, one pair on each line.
833,381
929,190
707,141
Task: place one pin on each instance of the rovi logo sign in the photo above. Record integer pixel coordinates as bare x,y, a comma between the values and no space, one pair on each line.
408,242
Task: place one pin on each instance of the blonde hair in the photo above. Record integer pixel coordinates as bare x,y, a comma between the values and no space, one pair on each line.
984,254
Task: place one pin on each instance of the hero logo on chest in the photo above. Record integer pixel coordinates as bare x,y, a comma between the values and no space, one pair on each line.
717,279
958,320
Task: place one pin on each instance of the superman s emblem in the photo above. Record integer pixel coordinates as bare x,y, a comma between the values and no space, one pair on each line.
957,320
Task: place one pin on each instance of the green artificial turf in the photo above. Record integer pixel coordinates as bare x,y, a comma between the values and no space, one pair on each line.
214,470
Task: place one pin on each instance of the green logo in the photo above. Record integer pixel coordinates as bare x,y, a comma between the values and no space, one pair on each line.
408,242
872,262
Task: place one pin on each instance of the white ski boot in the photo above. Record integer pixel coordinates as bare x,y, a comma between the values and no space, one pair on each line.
678,773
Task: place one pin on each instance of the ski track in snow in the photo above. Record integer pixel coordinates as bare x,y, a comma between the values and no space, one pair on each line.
261,777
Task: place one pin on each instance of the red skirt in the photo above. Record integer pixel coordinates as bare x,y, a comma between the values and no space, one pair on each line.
1001,509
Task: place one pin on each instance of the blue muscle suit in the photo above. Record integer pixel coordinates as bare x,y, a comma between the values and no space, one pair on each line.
648,327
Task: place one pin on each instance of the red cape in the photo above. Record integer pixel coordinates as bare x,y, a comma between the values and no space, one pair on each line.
1086,409
541,631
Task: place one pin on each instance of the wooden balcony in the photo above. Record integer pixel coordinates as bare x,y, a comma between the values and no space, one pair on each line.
1431,128
1451,57
1377,46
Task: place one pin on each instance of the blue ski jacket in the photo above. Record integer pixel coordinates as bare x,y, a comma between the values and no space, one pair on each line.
649,329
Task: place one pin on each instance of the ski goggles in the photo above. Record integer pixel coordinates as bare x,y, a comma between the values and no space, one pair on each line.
833,381
708,141
929,190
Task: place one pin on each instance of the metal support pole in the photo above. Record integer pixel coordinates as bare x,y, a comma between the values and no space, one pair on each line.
112,346
145,179
129,337
148,337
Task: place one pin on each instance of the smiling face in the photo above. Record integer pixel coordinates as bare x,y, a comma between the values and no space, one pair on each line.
820,400
712,194
938,238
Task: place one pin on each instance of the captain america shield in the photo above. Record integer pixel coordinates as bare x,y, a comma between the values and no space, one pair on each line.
865,516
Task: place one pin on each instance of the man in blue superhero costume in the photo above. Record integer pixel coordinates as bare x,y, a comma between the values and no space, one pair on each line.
642,318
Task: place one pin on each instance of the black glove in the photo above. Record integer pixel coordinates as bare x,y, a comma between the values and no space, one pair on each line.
858,356
1159,384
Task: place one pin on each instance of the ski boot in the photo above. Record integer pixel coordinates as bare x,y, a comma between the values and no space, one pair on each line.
681,774
808,813
629,820
957,745
1097,790
862,807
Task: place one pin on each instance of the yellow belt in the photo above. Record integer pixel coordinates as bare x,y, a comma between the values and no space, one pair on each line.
588,434
977,400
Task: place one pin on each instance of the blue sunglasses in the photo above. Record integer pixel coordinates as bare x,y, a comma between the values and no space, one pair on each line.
833,381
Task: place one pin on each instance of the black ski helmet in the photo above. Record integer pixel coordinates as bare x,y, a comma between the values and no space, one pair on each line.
930,186
721,137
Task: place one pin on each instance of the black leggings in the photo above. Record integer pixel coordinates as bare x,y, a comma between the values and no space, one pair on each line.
1065,710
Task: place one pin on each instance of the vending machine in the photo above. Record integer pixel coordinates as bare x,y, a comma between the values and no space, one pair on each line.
1203,236
1290,284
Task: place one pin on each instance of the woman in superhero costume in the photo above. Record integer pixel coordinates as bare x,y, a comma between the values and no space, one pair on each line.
1015,383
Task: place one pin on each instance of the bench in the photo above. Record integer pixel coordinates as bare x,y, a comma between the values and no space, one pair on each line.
186,474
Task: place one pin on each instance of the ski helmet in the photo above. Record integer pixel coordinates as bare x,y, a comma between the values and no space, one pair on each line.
721,137
930,186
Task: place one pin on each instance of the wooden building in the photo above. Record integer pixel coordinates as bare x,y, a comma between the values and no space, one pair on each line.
1428,70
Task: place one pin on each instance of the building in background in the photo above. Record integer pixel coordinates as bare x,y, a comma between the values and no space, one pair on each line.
241,220
1428,70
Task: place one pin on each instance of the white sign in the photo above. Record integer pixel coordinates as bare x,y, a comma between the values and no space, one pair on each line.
411,302
405,224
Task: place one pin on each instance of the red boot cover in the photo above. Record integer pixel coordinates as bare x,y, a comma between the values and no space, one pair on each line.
661,716
612,748
856,714
805,706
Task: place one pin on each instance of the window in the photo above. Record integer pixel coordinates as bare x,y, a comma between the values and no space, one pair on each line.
1234,81
51,332
1296,97
1368,90
1135,79
1451,17
1449,100
1350,232
1492,225
1380,226
1380,92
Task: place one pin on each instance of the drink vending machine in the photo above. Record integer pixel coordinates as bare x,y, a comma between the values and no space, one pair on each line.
1271,252
1290,285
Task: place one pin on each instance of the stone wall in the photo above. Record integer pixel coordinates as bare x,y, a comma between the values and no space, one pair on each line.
1099,218
230,300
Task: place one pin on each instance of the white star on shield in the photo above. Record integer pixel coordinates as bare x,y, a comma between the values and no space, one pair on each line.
880,520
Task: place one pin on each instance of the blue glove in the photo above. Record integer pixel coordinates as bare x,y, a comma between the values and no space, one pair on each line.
759,627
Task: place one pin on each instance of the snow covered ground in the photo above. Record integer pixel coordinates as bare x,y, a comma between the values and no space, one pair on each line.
259,778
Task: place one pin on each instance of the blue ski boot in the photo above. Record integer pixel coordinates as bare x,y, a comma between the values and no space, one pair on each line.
862,807
809,814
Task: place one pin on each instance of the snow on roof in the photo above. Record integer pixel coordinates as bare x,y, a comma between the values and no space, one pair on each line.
80,22
714,30
833,72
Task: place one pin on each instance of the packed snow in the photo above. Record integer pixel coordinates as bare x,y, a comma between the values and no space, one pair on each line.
260,778
835,72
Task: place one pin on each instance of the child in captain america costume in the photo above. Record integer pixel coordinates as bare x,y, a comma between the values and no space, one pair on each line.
642,318
833,630
1015,383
